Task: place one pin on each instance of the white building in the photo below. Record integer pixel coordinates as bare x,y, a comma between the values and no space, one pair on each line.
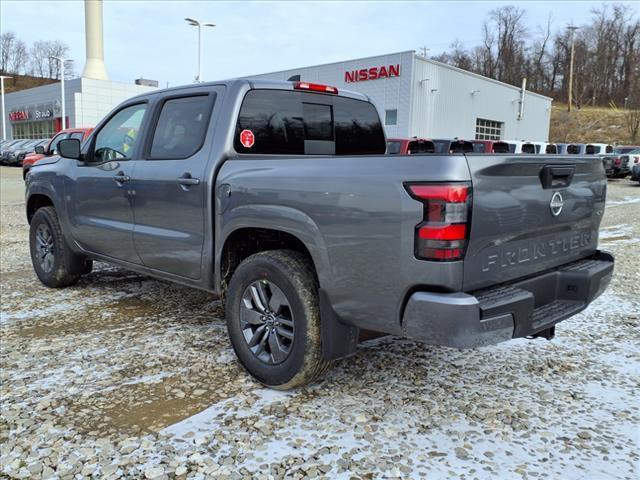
37,113
420,97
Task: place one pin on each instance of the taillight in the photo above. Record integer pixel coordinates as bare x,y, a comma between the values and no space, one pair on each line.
315,87
443,233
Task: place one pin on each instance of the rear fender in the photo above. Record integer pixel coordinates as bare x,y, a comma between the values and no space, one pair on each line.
339,339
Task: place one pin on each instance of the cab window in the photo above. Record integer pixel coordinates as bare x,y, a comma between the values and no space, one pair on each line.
181,127
117,139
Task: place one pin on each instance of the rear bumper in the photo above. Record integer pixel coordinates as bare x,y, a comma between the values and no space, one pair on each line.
518,309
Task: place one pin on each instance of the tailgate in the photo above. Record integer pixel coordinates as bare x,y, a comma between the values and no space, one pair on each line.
531,214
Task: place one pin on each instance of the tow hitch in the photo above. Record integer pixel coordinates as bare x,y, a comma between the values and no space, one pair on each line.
547,333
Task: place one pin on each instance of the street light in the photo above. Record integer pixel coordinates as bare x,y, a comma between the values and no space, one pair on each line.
62,60
4,118
196,23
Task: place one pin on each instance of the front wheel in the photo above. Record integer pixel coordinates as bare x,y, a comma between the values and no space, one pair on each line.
273,319
55,264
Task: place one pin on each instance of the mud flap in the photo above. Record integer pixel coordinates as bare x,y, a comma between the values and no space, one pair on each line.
338,339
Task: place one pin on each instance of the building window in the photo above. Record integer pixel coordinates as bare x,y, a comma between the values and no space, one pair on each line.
488,129
391,117
43,129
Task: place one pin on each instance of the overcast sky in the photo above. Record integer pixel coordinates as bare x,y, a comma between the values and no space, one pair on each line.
151,39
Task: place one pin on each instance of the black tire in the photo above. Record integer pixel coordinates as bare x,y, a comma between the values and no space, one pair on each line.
291,274
55,264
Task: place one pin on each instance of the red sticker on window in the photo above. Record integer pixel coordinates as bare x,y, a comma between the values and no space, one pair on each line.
247,138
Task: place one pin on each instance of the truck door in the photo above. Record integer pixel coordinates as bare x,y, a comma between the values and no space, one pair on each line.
170,185
98,190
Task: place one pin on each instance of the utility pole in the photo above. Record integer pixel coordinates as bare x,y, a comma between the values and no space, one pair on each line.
424,50
4,117
572,29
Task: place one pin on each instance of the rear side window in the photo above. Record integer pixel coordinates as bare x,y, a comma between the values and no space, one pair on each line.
296,123
609,149
551,149
528,148
181,127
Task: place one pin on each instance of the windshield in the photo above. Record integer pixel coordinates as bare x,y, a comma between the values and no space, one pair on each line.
421,146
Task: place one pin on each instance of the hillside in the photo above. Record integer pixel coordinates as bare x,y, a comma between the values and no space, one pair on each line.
589,124
22,82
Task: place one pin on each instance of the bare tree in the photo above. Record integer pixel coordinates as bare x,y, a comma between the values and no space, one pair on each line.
606,60
13,54
42,62
7,40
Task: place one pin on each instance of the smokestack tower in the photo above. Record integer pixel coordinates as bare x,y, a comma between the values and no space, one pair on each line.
94,68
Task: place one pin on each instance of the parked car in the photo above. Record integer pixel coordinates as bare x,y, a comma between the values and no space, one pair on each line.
19,154
310,232
490,146
8,155
50,148
409,146
452,146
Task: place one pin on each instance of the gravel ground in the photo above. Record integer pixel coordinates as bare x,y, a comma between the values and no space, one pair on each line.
126,376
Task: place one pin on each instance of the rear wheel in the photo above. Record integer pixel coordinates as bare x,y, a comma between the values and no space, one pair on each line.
55,264
273,319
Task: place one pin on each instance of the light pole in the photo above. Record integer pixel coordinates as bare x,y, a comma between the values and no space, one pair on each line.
4,118
572,29
62,60
196,23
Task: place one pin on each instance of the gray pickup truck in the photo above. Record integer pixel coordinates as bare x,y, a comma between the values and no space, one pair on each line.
279,198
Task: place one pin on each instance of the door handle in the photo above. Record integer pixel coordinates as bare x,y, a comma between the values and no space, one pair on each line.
120,177
187,180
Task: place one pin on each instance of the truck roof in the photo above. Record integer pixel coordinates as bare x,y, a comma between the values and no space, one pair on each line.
254,84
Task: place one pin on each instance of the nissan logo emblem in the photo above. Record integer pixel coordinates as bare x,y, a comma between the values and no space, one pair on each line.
556,204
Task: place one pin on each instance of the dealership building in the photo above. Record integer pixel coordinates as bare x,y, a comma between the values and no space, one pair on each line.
37,112
417,96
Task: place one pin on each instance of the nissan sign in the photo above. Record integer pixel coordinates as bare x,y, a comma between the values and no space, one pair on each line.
373,73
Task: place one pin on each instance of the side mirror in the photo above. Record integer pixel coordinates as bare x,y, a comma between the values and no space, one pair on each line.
69,148
40,150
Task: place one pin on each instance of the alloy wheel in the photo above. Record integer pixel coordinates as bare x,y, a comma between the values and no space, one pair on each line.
267,322
45,247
